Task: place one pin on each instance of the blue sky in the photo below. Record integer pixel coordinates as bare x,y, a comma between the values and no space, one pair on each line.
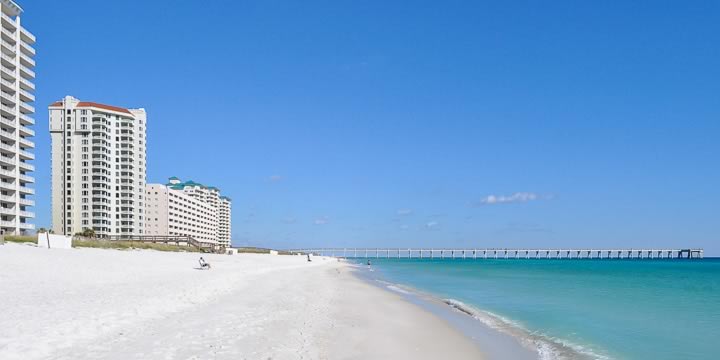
376,123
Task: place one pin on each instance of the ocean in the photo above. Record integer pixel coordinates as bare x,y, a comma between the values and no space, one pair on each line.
580,309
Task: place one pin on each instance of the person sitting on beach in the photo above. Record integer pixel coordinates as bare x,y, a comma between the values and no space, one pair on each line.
204,264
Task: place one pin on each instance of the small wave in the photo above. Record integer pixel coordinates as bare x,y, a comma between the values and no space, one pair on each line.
547,347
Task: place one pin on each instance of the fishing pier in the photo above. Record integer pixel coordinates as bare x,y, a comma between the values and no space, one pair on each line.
420,253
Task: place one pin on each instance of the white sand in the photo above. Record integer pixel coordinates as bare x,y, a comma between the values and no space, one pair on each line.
109,304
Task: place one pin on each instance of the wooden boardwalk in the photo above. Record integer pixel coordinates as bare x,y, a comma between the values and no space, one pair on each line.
491,253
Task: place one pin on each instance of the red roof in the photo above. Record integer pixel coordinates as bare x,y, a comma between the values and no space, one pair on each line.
57,103
103,106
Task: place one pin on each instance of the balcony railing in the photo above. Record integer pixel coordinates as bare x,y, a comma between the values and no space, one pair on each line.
29,109
7,173
4,223
8,83
7,147
25,34
28,60
28,73
26,83
26,178
29,214
26,166
8,20
27,96
26,202
28,131
9,198
10,35
27,154
26,226
26,120
27,143
26,190
27,48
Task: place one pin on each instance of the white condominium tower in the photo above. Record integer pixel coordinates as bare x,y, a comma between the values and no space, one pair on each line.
17,86
98,168
188,209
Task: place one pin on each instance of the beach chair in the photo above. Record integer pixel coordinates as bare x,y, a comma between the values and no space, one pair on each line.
204,265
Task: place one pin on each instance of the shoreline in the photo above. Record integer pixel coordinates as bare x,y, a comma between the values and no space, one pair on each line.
495,343
112,304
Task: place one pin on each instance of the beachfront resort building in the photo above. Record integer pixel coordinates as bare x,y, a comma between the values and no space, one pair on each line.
17,85
188,209
98,168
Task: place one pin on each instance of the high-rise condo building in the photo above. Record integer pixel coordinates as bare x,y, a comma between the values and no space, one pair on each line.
188,209
17,86
98,168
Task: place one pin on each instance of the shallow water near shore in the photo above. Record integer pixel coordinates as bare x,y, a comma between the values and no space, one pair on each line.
579,309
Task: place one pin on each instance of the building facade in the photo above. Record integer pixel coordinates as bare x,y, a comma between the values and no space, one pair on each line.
17,85
99,165
188,208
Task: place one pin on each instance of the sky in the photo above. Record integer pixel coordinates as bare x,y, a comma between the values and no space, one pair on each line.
425,123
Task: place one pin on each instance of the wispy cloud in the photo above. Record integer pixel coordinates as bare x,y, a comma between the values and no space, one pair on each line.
289,220
404,227
404,212
276,178
431,224
518,197
322,221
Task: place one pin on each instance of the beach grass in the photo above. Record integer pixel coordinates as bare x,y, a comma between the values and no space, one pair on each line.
21,238
130,245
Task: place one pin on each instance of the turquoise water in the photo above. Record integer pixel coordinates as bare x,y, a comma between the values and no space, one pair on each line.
618,309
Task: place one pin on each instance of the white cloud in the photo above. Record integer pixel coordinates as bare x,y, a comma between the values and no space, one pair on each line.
276,178
404,212
431,224
518,197
322,221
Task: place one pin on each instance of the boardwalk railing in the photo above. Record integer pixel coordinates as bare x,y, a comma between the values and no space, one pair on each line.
206,246
505,253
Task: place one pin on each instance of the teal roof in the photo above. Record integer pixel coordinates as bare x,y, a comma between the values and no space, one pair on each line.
174,178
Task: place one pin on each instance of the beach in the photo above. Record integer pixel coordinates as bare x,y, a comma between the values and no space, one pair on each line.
111,304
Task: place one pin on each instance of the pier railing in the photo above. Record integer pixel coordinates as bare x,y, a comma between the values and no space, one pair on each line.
492,253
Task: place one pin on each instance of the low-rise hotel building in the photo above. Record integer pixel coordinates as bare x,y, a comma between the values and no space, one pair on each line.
188,209
98,168
17,82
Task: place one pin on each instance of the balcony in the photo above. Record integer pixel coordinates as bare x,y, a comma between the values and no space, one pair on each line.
26,155
26,60
26,143
10,224
26,226
27,36
25,84
26,166
26,120
27,49
8,48
27,108
7,60
26,202
7,186
26,190
7,122
27,96
26,72
8,35
9,98
8,110
8,22
7,84
7,147
8,73
28,214
8,198
26,131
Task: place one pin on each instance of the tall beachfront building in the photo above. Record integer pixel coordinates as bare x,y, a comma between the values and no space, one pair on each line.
98,168
188,209
15,146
